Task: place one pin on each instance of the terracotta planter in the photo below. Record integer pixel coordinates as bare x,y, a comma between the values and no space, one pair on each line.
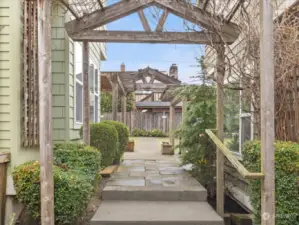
166,149
130,147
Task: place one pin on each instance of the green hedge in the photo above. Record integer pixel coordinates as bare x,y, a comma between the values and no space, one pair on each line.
145,133
71,192
75,172
123,136
104,136
286,180
85,160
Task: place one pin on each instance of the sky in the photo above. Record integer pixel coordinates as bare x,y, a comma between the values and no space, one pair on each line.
158,56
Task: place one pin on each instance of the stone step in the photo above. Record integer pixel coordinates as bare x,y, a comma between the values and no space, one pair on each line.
155,213
132,193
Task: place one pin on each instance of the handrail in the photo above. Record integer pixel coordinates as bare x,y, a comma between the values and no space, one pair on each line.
232,159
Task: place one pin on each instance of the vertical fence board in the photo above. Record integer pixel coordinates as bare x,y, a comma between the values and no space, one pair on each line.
147,121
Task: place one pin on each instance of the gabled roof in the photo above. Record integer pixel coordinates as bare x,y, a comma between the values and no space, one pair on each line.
129,79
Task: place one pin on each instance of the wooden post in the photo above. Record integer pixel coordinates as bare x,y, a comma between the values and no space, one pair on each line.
114,97
220,72
45,112
124,108
164,122
171,127
86,111
267,113
4,159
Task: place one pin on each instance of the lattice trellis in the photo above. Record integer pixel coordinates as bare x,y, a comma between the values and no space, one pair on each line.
30,76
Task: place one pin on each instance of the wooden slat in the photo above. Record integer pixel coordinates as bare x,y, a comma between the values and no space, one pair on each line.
162,21
152,37
25,76
109,170
4,158
198,16
45,113
101,17
232,159
144,21
267,77
220,73
35,78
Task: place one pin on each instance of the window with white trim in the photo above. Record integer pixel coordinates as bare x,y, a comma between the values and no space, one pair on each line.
79,98
78,84
93,87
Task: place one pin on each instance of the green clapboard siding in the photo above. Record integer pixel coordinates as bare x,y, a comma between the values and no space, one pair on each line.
5,45
11,59
59,77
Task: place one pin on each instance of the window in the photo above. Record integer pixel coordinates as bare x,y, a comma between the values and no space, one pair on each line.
93,87
79,98
245,128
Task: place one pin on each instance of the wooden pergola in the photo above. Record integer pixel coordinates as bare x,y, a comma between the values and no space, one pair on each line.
122,82
215,29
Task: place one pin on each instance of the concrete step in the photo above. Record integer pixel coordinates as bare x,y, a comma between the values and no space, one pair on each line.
145,193
155,213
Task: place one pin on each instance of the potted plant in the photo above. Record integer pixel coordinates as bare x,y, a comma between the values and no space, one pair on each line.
166,149
131,145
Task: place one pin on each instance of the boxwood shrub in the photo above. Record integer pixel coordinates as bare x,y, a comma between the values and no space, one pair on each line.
123,136
286,180
79,158
104,136
145,133
71,192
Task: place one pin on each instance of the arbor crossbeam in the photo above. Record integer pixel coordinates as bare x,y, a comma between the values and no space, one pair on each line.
152,37
182,9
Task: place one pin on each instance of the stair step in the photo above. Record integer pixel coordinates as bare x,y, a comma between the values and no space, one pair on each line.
156,213
144,193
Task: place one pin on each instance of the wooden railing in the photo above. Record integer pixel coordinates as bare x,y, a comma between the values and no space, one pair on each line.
4,160
221,147
232,159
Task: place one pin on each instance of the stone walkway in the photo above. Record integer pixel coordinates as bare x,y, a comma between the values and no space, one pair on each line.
150,188
158,173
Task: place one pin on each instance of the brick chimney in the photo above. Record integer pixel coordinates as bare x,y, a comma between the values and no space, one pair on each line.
173,71
122,67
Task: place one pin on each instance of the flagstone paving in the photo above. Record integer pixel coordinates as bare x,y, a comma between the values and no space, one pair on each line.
152,189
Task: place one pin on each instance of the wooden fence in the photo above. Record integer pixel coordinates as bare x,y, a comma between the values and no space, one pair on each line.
147,120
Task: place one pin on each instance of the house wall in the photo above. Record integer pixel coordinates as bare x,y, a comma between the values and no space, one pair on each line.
11,38
11,67
63,63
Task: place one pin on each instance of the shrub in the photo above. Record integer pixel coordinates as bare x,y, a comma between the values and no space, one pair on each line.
196,147
71,192
157,133
286,180
123,136
104,136
79,158
144,133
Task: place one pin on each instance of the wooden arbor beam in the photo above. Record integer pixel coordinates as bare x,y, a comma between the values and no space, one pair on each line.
114,96
162,21
144,21
103,16
267,113
152,37
45,113
199,16
182,9
121,86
